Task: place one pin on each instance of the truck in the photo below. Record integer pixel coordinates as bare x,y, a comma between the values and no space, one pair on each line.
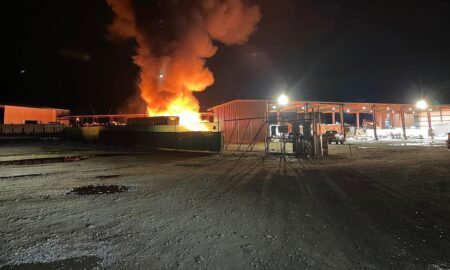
333,136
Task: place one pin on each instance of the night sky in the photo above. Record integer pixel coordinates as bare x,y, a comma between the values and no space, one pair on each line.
56,54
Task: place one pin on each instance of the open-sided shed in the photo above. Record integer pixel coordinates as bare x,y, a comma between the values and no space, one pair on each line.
242,120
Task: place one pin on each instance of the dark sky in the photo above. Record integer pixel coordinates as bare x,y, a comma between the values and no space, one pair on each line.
56,54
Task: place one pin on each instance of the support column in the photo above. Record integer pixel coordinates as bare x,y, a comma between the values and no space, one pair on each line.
333,117
402,117
342,120
430,130
320,121
357,120
374,116
392,119
440,112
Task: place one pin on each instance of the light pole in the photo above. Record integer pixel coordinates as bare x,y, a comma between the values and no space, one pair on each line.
282,101
422,105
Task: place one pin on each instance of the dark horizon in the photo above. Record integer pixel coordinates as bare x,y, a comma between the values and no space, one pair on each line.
367,51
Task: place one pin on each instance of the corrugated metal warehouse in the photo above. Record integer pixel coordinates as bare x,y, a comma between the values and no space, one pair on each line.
242,121
253,114
15,114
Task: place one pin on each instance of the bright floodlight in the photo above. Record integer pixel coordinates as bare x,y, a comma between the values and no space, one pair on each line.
283,100
421,104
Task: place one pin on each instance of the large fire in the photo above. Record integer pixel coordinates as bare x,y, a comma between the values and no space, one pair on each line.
174,38
189,116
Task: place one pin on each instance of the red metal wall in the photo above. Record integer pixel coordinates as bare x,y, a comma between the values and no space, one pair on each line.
18,115
243,130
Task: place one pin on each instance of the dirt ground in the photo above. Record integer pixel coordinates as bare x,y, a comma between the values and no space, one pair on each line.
382,206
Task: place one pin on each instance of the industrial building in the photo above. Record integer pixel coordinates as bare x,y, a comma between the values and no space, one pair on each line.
18,114
245,121
16,120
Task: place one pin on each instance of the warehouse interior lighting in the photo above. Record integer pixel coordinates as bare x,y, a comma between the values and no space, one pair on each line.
422,104
283,100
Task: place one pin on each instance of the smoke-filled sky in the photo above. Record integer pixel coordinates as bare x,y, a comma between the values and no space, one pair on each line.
60,53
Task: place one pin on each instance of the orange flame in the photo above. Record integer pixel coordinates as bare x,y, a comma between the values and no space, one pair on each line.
189,115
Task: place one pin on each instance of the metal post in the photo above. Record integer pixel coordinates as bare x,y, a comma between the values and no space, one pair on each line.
280,124
342,120
333,117
320,130
357,120
440,113
267,134
402,117
320,120
392,119
374,116
430,130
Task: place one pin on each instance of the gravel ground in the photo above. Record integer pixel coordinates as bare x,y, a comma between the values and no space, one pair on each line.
382,206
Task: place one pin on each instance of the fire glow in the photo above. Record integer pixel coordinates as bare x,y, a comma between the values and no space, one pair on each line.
189,118
174,39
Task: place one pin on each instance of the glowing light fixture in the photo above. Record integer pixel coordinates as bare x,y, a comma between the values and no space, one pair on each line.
422,105
283,100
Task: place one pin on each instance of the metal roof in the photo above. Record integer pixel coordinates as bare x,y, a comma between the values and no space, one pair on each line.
27,106
363,106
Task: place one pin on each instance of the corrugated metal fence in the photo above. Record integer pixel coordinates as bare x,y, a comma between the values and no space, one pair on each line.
31,129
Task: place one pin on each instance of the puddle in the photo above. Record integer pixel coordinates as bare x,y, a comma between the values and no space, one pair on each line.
107,176
94,190
42,160
85,262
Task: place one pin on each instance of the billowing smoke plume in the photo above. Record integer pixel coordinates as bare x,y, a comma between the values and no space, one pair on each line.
174,38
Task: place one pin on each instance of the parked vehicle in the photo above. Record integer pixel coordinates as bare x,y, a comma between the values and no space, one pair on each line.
333,136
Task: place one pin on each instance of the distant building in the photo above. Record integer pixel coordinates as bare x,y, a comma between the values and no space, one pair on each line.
18,114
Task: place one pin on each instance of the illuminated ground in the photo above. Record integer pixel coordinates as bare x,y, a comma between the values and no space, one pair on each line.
383,206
